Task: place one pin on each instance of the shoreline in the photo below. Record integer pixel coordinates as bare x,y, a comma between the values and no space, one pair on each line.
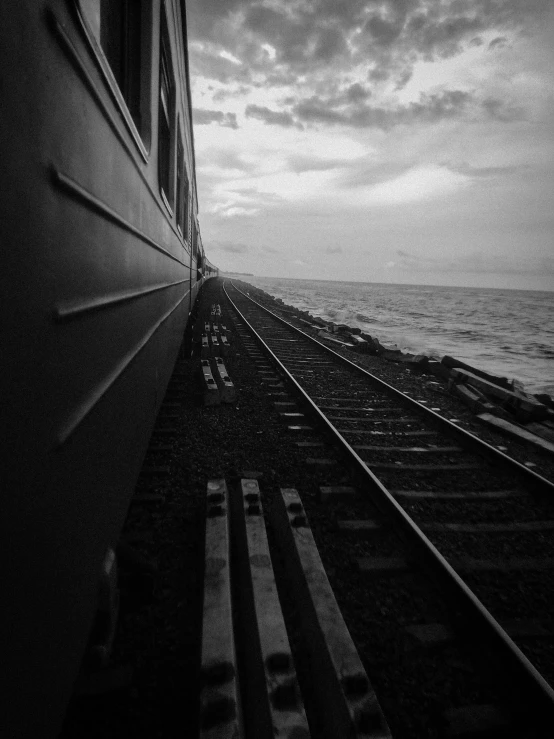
224,274
490,335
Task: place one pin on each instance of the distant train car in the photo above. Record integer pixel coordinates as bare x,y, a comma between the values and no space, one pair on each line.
101,264
210,270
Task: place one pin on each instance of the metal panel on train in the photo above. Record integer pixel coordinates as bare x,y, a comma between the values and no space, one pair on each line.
101,263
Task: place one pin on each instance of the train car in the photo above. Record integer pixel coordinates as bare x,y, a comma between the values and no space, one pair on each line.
102,263
210,270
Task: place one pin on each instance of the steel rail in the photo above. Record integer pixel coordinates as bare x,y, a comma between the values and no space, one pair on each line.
538,690
477,445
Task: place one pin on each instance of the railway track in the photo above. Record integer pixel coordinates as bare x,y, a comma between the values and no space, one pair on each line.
477,521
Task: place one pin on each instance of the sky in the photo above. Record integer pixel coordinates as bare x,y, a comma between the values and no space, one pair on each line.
399,141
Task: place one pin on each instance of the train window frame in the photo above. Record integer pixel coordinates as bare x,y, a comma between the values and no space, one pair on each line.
188,209
180,173
166,115
140,130
194,239
182,190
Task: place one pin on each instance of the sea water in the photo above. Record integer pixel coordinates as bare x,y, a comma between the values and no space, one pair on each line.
509,333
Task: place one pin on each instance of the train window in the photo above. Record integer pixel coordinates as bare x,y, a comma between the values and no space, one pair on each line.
165,115
181,190
186,214
194,238
119,29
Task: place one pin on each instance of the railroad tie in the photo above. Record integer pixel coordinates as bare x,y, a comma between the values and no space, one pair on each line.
205,349
346,702
273,705
362,418
407,449
335,492
382,566
219,698
489,528
520,564
363,526
227,391
381,422
401,467
441,495
210,390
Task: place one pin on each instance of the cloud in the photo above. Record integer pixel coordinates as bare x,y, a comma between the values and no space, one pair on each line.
225,93
300,164
414,185
430,108
231,209
207,61
225,159
487,172
356,93
498,42
236,210
232,247
475,262
333,250
204,117
337,55
403,79
502,111
271,117
382,31
331,36
298,35
358,71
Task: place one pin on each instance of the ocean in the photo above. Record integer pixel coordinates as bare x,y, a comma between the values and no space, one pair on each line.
509,333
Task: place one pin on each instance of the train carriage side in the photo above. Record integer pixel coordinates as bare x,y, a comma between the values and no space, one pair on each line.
99,232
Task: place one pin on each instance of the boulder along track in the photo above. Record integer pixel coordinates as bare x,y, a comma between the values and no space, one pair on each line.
386,466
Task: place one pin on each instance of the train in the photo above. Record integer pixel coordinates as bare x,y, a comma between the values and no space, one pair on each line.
102,262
